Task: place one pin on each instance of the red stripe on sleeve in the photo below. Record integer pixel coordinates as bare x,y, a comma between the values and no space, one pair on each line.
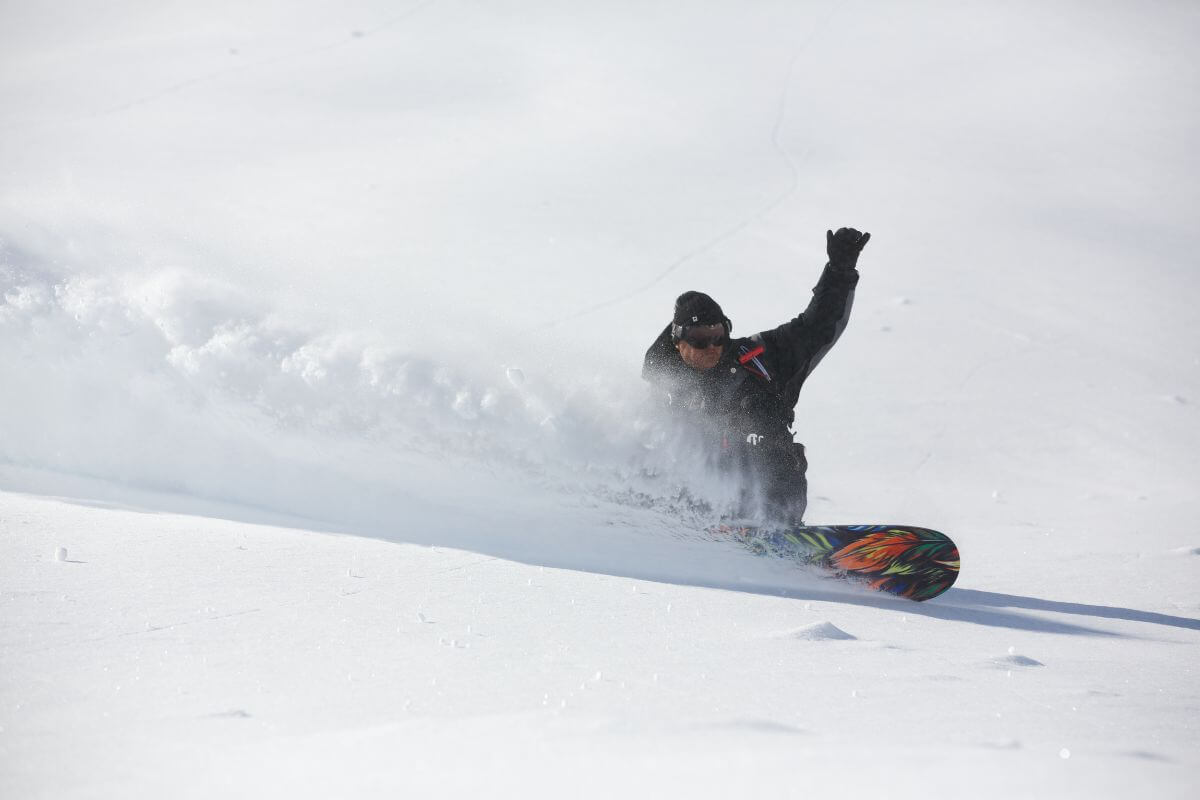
758,351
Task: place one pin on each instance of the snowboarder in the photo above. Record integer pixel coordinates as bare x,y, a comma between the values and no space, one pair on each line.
738,396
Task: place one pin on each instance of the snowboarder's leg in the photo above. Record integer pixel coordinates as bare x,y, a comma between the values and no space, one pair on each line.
801,483
786,486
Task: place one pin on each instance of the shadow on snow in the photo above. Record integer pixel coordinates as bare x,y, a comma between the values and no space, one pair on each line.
699,562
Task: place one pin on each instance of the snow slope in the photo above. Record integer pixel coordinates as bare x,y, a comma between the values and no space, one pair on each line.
321,326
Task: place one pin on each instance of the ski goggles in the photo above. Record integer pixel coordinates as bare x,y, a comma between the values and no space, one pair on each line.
701,340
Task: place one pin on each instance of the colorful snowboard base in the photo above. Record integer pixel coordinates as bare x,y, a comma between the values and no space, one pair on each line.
917,563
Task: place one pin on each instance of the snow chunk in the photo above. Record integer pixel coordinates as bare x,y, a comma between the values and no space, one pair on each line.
1002,744
818,632
237,713
1015,660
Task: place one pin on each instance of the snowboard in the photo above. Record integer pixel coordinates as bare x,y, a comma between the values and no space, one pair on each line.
917,563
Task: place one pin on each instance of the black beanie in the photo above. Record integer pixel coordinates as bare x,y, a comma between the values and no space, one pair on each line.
697,308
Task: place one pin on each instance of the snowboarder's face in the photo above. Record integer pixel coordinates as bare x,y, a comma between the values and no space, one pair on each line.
702,358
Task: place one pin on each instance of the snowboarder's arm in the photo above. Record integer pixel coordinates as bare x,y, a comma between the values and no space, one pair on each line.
799,345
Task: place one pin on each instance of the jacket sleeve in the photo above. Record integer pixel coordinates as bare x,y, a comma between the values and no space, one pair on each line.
796,347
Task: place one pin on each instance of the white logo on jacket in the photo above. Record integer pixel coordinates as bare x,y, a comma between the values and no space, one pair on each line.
754,439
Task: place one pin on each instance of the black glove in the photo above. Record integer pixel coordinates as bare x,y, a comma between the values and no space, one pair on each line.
844,246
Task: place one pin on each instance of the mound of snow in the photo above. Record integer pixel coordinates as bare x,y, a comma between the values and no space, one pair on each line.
819,631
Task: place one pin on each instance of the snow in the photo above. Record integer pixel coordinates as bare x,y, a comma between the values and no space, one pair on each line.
819,631
324,469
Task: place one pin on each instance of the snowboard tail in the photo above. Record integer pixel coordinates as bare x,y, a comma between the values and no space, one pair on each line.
917,563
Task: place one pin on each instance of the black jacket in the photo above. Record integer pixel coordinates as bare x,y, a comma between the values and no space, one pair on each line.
744,406
763,388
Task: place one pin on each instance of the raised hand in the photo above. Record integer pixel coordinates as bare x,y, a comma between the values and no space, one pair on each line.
844,246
